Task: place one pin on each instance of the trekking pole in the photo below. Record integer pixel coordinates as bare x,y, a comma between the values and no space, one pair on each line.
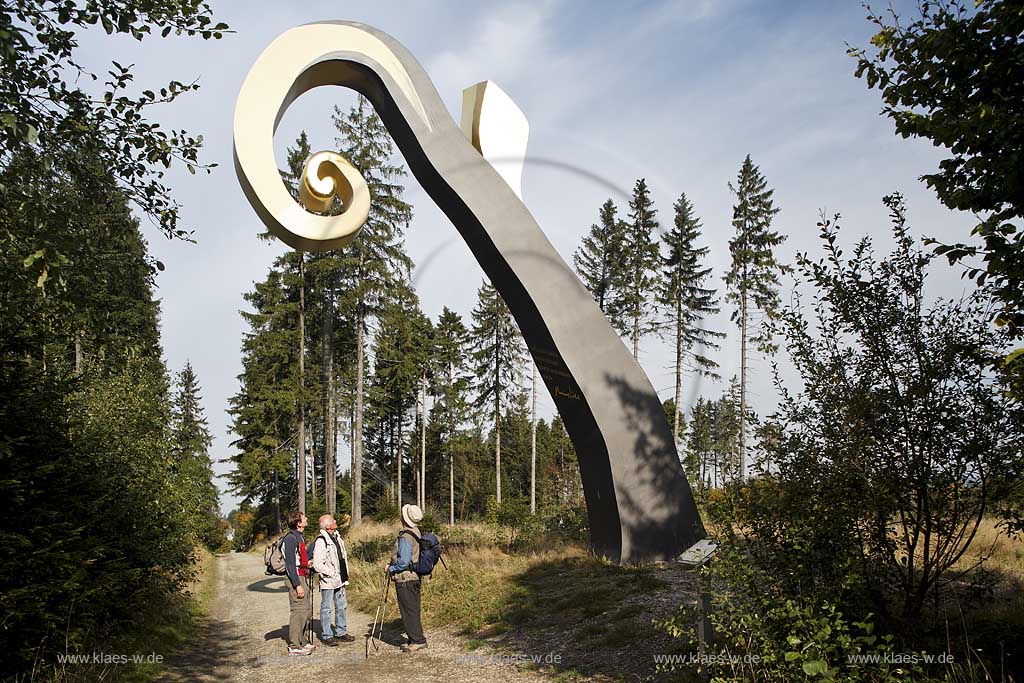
384,612
309,582
376,615
373,627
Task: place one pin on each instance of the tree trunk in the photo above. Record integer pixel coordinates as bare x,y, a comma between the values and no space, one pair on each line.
533,448
743,387
334,442
451,453
312,460
636,336
301,459
563,489
357,430
497,414
412,444
327,384
351,444
330,462
423,449
398,456
679,370
497,444
78,352
277,505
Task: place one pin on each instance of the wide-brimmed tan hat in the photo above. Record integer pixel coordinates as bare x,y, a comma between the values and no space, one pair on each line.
411,515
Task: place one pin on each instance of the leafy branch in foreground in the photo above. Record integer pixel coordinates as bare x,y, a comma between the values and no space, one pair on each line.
952,76
44,111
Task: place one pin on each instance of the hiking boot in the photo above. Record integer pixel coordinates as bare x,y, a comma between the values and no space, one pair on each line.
343,639
414,647
296,651
330,642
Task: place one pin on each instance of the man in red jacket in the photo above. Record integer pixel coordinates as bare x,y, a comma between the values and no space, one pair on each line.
296,563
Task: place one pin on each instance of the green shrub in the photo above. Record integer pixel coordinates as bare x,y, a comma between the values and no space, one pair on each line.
569,521
386,511
88,503
373,550
770,636
431,522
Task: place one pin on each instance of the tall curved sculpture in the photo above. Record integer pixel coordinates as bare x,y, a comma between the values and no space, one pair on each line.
639,502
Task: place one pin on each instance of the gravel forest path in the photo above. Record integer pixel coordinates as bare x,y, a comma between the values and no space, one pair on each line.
243,639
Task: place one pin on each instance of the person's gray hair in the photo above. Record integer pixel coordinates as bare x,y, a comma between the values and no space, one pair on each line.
325,521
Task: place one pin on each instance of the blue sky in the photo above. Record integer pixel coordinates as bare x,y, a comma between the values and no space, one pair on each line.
676,92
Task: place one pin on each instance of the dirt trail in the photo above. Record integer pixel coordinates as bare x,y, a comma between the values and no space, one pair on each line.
243,640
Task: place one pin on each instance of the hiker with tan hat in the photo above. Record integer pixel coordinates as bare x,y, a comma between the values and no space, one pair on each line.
407,582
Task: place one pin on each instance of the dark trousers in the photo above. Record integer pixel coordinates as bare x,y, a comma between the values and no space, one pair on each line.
408,593
300,611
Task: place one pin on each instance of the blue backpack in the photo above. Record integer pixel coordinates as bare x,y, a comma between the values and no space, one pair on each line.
430,553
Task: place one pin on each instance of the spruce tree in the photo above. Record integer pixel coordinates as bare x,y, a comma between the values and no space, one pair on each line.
752,283
597,256
497,352
533,442
451,386
263,410
190,449
400,355
376,259
727,427
685,302
700,442
634,277
293,264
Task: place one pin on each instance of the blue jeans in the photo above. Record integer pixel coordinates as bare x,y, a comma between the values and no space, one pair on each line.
336,596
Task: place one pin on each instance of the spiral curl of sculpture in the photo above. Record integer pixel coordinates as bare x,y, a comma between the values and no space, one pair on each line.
328,175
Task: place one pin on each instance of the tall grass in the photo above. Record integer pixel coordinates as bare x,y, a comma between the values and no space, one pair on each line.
470,591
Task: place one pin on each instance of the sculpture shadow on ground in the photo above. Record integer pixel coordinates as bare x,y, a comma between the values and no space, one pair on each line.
272,585
588,618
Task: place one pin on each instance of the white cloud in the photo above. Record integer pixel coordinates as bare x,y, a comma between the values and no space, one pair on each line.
678,92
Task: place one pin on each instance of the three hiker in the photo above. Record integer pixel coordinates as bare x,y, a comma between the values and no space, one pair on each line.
414,555
300,602
330,561
407,582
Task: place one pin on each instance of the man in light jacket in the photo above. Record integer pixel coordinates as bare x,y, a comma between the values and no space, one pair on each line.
330,561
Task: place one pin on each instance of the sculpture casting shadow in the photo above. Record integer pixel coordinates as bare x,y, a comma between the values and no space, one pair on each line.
639,502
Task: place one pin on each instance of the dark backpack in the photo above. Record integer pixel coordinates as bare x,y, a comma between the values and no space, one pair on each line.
430,554
310,549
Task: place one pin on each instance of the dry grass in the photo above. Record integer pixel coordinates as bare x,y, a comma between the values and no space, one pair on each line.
596,616
995,551
478,579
